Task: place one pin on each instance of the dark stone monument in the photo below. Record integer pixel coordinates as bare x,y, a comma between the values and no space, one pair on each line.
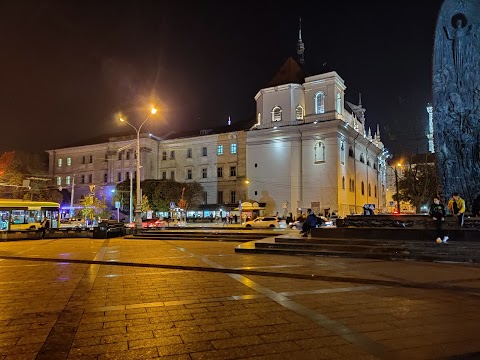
456,98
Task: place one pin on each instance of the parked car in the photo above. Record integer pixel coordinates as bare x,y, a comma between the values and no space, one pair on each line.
149,223
263,222
73,223
321,221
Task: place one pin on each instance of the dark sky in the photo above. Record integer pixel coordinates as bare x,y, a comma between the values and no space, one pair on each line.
69,66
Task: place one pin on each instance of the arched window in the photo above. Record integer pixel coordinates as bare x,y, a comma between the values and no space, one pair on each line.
363,188
343,182
352,185
368,161
375,166
319,152
342,153
362,159
299,113
375,190
319,103
277,114
350,151
259,118
369,189
339,103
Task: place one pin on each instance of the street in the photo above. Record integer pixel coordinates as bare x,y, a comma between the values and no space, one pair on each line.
172,299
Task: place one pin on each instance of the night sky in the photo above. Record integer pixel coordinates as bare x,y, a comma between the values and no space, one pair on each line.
69,66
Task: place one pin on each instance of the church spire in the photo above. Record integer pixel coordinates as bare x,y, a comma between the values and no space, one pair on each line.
300,45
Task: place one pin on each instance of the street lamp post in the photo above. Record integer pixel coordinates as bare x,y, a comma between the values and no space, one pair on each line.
138,206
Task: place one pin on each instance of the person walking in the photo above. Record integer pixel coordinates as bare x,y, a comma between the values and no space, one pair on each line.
309,223
44,225
456,205
437,213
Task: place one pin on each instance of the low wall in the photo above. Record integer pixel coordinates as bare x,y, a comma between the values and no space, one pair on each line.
399,227
405,221
49,234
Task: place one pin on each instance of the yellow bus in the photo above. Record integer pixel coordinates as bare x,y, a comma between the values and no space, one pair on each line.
22,215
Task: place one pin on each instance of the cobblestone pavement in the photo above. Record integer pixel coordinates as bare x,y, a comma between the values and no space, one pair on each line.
142,299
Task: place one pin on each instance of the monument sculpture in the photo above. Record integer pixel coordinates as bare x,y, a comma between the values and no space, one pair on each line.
456,98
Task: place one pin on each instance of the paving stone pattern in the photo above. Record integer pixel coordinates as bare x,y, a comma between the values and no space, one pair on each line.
171,299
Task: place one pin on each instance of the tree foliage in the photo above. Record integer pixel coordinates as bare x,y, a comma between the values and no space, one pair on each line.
93,207
418,185
160,193
30,167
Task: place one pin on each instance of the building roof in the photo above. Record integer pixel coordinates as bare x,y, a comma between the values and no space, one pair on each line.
291,72
106,138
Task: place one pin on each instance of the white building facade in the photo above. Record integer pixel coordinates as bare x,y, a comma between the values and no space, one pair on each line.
307,151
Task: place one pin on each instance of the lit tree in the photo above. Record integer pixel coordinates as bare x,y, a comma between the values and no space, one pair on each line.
93,207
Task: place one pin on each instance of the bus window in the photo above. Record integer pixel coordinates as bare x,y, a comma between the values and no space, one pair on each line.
4,220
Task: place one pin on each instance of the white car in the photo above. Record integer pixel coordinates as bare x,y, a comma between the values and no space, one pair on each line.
73,223
263,222
321,222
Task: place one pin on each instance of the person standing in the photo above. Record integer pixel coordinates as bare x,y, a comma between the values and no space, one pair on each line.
309,223
437,213
456,205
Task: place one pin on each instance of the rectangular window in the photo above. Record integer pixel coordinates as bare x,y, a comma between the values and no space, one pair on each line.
233,171
127,176
204,173
189,153
90,178
128,155
220,172
172,155
164,175
220,150
172,175
220,197
119,156
83,159
119,176
105,178
342,153
59,162
91,159
67,180
69,161
233,148
205,197
204,151
59,180
164,155
233,197
189,174
82,179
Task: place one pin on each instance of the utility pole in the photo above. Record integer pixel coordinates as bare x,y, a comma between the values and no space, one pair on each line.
131,196
71,196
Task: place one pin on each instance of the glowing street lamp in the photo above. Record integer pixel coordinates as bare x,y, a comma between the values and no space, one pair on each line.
138,206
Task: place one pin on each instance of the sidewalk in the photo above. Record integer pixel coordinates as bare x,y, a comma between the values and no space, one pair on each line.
192,300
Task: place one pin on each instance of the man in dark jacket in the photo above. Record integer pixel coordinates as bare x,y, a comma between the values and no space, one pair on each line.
309,223
437,213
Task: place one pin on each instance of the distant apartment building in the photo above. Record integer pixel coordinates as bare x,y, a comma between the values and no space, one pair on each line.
216,161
